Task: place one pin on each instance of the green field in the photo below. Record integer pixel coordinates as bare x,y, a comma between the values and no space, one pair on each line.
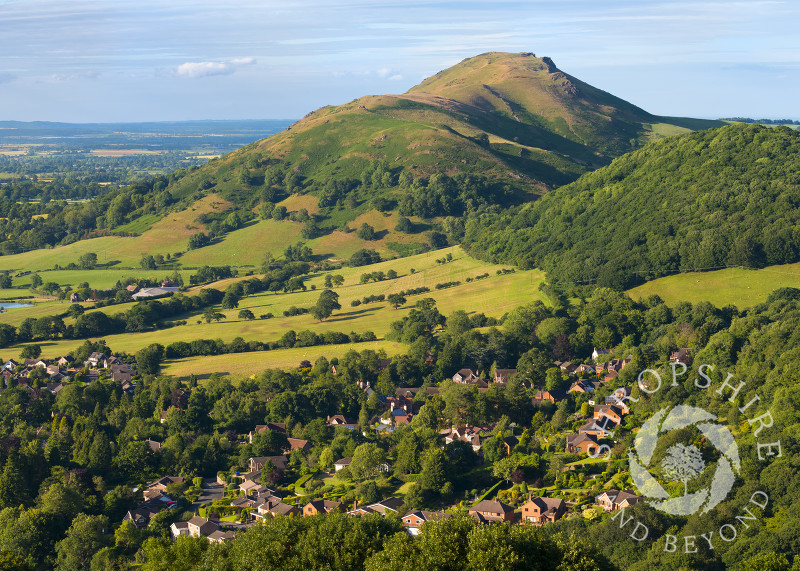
245,364
493,296
731,286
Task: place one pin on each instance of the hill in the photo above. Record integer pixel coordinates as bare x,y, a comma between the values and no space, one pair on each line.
704,200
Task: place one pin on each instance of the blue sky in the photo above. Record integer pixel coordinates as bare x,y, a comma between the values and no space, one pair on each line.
120,60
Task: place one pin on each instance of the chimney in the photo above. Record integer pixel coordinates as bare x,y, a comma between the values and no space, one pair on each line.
355,504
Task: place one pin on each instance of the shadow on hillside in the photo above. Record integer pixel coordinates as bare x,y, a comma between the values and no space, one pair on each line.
352,314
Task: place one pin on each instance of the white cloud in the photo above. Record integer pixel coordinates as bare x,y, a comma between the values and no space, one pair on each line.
206,68
395,77
384,72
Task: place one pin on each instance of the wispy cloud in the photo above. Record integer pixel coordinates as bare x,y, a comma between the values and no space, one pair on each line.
207,68
7,77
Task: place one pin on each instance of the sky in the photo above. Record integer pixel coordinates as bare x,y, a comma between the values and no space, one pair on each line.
170,60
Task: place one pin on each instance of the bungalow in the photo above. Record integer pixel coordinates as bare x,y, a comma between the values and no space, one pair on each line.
275,508
342,463
154,445
220,536
411,392
162,483
258,462
543,510
140,517
273,426
248,486
469,434
588,369
597,353
568,367
413,521
339,420
315,507
65,361
581,443
613,500
385,507
491,510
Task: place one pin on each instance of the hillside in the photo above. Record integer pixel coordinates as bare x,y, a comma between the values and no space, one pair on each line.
704,200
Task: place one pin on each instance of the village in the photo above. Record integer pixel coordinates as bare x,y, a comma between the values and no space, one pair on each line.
233,501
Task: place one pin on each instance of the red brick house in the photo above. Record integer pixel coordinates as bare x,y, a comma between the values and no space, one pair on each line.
543,510
315,507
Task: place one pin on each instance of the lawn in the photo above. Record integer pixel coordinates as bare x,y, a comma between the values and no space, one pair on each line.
731,286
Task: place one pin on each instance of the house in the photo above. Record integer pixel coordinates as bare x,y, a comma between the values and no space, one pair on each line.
597,353
339,420
258,462
400,416
610,411
140,517
178,529
275,508
220,536
315,507
583,386
413,520
599,429
491,510
469,434
682,355
95,358
154,445
464,376
501,376
581,443
543,510
298,444
248,486
75,298
584,369
411,392
202,526
613,500
133,288
568,367
342,463
162,483
385,507
273,426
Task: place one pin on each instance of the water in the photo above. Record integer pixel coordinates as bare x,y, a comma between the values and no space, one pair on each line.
13,305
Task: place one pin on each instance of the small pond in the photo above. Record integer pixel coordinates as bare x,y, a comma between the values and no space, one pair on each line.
12,305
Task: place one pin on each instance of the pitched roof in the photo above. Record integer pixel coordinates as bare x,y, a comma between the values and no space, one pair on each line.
492,506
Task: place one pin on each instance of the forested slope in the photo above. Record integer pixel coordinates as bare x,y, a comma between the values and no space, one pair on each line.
707,199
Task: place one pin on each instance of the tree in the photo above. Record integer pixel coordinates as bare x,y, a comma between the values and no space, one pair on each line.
88,261
246,314
83,539
327,302
396,300
31,352
367,461
76,310
404,225
683,463
434,470
148,359
5,280
36,281
148,262
230,300
366,232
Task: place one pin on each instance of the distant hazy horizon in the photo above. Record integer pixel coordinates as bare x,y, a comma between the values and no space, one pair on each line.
146,61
